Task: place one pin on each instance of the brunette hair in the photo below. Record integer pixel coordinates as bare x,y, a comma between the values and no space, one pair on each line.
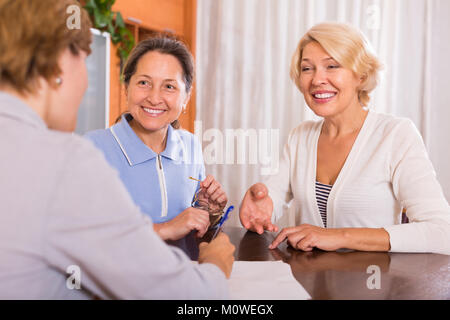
33,35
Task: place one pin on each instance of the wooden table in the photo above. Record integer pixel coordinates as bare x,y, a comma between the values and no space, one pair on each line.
344,274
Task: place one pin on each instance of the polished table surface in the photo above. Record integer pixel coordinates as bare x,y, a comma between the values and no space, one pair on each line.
345,275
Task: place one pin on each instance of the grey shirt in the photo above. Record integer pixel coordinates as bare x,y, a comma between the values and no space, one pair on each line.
62,208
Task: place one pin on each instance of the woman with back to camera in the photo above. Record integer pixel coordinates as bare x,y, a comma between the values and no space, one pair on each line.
64,213
351,173
155,158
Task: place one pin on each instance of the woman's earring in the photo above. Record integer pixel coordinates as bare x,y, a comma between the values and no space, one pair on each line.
59,81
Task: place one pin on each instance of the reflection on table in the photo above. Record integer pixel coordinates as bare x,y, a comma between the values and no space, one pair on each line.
348,274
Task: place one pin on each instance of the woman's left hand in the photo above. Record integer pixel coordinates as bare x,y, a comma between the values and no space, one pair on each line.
306,237
213,193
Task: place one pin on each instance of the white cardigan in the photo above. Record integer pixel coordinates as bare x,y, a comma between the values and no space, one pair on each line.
386,170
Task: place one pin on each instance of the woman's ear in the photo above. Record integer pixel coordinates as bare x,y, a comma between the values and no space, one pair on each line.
362,78
186,100
126,95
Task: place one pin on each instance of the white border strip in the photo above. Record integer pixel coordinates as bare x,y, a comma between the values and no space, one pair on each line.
120,145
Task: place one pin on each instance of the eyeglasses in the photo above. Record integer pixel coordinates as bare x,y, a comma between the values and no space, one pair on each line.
214,214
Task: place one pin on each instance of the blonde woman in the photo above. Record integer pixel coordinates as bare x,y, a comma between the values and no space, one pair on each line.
351,173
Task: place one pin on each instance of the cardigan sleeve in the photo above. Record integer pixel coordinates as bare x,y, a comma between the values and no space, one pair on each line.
279,183
415,185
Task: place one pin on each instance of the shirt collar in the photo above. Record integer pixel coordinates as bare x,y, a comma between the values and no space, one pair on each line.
136,151
15,108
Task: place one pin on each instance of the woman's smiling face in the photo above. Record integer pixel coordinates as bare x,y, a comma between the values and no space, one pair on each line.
156,93
328,87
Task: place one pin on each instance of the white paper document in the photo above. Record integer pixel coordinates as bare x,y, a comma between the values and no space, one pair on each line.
264,280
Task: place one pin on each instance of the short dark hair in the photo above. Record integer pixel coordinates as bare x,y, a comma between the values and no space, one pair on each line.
163,44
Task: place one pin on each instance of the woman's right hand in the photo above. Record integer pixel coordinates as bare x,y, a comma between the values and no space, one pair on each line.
219,252
180,226
256,209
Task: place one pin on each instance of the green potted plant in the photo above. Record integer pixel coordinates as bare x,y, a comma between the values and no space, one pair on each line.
104,19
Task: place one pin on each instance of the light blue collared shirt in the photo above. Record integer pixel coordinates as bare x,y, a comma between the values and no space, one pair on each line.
159,184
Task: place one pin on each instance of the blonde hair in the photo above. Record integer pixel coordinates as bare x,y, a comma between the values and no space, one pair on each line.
33,35
349,47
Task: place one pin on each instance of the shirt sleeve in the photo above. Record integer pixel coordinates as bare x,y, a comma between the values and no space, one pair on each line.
279,184
94,224
415,185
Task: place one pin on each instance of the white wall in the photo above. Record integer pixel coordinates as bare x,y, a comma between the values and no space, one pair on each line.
438,142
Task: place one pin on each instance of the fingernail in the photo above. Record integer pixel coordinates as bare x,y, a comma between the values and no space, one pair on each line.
260,193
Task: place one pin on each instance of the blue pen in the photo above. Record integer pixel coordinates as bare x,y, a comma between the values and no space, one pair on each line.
222,221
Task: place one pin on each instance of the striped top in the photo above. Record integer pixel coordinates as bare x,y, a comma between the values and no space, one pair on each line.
322,193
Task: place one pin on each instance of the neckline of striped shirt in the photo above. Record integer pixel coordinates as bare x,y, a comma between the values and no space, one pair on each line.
322,193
